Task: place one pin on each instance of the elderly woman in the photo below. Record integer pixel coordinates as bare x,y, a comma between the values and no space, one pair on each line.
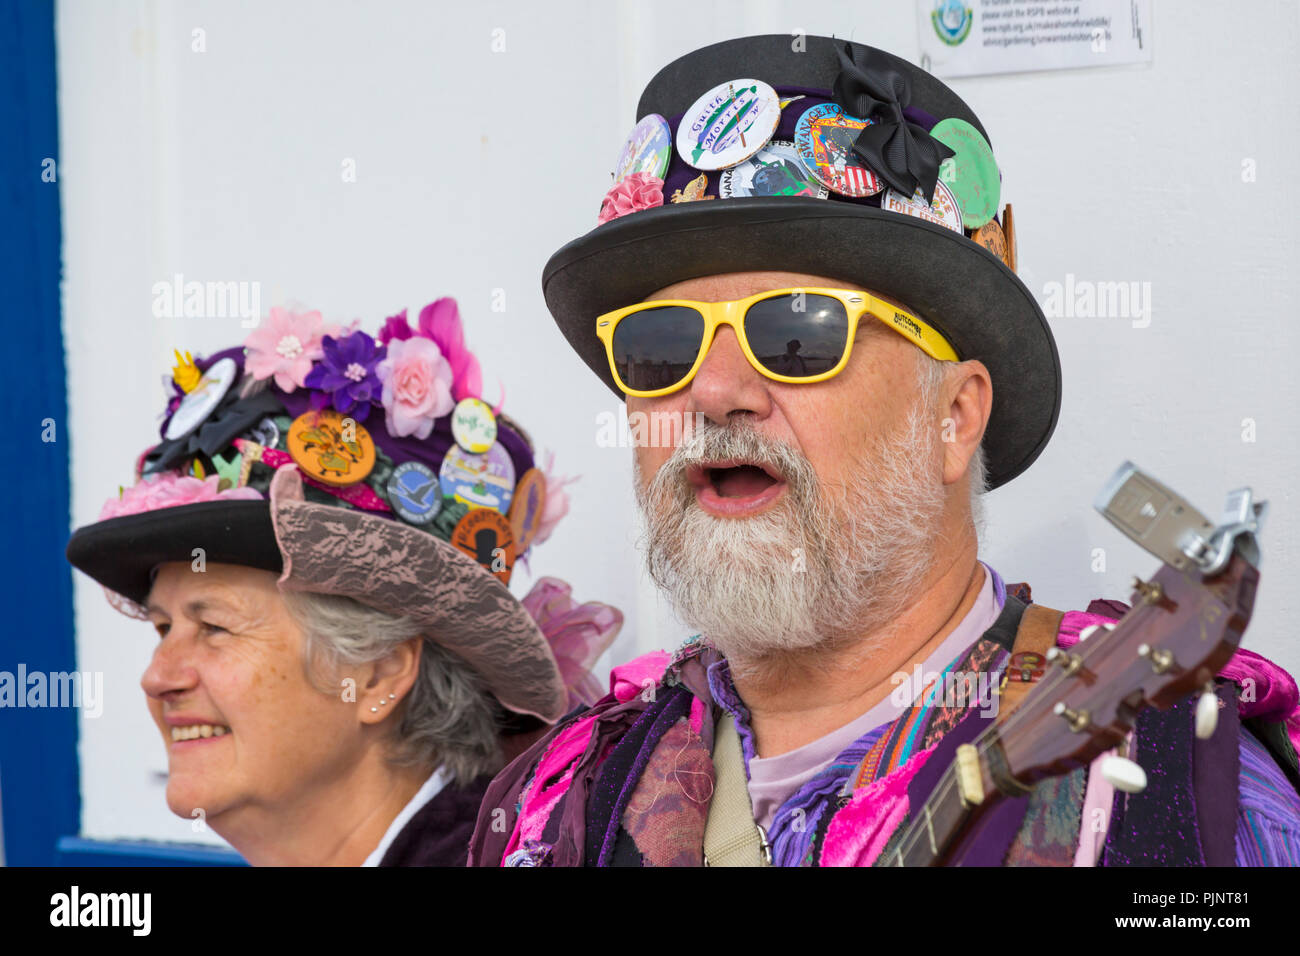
322,541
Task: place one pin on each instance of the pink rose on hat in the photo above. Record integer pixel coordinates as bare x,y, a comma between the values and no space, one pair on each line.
171,490
417,383
632,194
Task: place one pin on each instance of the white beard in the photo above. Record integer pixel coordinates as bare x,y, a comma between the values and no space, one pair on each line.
864,550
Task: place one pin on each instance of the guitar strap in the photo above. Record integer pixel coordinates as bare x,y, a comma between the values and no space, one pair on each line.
731,838
1035,636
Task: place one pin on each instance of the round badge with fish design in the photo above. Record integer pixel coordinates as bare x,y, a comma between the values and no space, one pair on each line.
824,139
728,124
942,210
415,493
776,170
648,148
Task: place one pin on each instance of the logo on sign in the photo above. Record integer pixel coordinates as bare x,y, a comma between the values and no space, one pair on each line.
952,21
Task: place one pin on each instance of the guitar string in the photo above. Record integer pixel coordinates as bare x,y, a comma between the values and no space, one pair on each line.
1089,653
913,835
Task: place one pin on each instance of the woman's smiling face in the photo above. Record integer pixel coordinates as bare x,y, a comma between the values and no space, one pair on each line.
245,730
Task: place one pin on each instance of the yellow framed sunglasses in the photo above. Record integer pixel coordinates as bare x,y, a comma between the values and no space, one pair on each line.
798,335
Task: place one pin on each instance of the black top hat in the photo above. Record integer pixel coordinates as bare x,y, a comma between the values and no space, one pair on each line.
967,293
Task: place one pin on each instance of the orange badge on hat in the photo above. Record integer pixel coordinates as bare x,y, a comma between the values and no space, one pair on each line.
331,448
990,236
484,534
527,506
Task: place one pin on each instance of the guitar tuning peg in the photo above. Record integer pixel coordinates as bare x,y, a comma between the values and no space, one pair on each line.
1123,774
1078,720
1207,713
1092,629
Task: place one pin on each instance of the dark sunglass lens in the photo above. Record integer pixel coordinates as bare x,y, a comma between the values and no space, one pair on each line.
657,347
798,335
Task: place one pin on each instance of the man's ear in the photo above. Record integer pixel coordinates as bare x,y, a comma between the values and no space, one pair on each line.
970,402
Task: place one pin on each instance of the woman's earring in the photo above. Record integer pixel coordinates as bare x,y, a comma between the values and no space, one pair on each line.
392,697
374,710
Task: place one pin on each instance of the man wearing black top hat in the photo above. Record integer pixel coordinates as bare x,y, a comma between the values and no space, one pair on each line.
818,523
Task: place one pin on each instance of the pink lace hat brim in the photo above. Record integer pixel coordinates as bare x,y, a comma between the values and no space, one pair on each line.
401,570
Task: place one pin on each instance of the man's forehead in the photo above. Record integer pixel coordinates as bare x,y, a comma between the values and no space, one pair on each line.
739,285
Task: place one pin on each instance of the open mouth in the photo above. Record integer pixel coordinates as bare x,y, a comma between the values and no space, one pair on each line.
734,487
196,731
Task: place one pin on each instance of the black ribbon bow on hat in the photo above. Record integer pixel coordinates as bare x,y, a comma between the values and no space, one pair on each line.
232,416
904,154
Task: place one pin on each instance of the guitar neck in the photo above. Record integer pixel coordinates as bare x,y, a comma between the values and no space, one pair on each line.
935,827
1181,630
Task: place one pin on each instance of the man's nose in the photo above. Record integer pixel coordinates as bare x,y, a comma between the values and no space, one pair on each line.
726,383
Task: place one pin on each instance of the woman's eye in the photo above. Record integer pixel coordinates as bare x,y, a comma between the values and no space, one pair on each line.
213,628
162,630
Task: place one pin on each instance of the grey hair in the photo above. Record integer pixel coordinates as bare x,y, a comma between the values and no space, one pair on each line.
931,376
448,717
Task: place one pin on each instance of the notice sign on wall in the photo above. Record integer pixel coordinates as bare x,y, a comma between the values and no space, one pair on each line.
972,37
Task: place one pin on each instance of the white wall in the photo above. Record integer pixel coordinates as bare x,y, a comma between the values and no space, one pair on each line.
473,166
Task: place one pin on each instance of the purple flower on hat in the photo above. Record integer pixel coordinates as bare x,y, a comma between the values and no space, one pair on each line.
345,375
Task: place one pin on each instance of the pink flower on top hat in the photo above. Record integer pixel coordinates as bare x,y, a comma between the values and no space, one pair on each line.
440,323
632,194
395,327
171,490
285,348
417,386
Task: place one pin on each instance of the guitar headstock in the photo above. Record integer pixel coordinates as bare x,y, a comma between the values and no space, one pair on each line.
1184,625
